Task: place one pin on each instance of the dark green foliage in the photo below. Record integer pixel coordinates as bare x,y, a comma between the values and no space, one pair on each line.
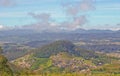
38,62
1,50
86,54
54,48
63,46
4,68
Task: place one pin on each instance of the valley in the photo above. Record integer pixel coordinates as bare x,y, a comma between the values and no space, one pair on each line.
78,55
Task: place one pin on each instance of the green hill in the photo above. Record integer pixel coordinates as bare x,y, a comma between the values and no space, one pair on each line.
62,57
54,48
5,70
62,46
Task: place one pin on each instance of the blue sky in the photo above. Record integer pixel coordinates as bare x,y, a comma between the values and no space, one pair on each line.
106,14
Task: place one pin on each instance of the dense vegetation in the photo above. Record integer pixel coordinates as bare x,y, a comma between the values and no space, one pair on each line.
4,67
54,48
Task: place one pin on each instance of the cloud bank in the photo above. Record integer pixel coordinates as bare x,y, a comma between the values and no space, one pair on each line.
45,22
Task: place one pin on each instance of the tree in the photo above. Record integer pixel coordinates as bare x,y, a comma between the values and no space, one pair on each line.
4,68
1,49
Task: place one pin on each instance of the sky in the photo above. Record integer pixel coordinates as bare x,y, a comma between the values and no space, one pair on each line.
60,14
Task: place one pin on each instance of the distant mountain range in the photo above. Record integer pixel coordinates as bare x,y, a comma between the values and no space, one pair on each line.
20,36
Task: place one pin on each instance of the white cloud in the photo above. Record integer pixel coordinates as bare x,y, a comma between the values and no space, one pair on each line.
1,26
115,29
45,22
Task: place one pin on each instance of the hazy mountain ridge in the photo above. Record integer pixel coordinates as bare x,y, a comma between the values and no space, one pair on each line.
11,35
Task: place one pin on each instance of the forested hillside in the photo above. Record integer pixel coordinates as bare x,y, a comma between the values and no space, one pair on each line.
5,70
64,58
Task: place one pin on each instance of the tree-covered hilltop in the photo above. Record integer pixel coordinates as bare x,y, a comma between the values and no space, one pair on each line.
62,46
54,48
66,46
5,70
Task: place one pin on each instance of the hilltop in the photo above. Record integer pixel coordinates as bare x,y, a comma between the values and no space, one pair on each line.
62,56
